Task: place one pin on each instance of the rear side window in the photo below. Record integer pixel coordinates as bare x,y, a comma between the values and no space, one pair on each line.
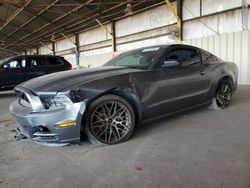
207,56
54,61
190,57
35,62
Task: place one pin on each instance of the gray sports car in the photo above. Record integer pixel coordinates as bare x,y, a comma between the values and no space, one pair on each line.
107,103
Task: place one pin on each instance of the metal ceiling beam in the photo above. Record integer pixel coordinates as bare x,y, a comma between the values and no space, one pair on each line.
107,17
57,19
92,4
10,51
61,28
87,19
30,20
12,16
58,30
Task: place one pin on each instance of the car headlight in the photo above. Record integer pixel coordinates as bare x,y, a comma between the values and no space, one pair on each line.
55,102
61,101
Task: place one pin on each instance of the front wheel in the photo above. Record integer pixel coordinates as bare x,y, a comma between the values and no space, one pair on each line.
109,120
223,94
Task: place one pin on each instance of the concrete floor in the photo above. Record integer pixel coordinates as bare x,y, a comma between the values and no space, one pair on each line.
202,148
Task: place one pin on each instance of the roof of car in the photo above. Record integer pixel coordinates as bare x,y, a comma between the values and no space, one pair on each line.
164,46
37,55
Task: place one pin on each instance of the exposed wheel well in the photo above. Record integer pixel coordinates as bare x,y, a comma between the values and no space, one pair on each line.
126,96
225,78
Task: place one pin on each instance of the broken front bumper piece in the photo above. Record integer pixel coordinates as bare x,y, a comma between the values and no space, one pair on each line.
60,126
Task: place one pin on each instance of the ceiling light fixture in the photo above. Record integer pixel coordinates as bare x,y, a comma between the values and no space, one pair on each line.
53,38
128,10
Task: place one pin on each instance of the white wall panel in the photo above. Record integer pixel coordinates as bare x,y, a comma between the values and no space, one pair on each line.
233,47
213,25
230,22
191,9
248,19
245,56
230,50
45,50
94,35
64,44
212,6
149,42
94,60
147,20
237,52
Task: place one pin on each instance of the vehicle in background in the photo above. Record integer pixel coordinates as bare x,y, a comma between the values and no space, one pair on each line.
22,68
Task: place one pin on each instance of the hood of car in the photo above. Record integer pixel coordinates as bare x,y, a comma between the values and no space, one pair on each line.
62,80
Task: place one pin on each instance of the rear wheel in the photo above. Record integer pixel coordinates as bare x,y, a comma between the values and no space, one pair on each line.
110,120
223,94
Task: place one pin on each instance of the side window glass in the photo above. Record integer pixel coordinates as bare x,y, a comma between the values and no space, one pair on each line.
53,61
33,62
37,61
183,57
206,56
172,59
24,63
14,64
173,55
190,57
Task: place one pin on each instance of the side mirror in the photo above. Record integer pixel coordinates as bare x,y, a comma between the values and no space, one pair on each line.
170,63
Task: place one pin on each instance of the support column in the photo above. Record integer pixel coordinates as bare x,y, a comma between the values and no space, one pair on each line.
179,13
110,33
37,51
176,13
113,30
77,51
53,48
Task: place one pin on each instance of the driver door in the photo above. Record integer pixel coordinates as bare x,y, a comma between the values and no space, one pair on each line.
181,85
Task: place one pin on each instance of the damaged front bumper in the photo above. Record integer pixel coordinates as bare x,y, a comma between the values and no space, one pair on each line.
58,127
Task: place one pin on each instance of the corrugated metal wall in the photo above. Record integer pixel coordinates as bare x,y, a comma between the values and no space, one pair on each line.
233,47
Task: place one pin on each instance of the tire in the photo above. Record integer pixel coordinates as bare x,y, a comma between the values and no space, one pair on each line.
223,94
109,120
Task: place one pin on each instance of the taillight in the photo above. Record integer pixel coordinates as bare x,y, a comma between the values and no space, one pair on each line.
69,66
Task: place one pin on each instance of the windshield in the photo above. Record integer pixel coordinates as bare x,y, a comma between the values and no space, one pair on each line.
141,59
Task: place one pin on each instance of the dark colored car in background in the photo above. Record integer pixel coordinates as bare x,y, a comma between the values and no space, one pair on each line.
22,68
108,102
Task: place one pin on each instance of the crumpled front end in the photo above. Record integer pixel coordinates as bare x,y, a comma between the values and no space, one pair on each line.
47,124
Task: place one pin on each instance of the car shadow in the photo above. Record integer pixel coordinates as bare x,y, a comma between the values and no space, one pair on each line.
241,96
168,121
